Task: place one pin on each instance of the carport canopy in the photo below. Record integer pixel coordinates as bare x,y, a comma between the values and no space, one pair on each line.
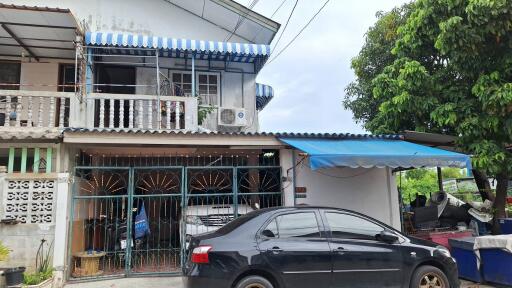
368,153
37,32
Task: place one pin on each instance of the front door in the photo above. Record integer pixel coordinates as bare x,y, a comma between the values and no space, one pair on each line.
294,246
359,260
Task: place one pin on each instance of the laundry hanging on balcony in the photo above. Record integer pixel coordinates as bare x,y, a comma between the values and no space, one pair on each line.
264,94
179,48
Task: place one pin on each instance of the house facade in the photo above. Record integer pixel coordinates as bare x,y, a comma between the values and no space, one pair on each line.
128,126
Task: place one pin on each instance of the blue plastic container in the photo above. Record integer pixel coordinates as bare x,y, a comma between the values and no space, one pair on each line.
496,266
462,251
505,225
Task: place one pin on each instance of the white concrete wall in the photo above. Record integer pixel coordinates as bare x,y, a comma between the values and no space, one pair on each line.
369,191
237,90
149,17
37,75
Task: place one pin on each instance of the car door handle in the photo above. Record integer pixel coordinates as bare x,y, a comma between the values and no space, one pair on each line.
275,250
339,250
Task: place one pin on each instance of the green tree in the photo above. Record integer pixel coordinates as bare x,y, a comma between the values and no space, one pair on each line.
453,74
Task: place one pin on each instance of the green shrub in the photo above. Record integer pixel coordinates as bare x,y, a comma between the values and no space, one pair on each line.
37,277
44,270
4,252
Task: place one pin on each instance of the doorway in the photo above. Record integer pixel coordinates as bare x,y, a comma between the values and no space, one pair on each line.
114,80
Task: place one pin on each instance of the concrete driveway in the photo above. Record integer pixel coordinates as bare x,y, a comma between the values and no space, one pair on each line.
173,282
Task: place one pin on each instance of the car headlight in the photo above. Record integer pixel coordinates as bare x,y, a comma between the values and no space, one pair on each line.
193,220
444,251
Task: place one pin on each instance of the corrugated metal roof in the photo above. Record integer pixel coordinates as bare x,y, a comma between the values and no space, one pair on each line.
248,134
15,133
38,32
34,8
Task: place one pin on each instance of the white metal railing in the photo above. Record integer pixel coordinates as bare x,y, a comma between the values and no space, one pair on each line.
129,111
20,108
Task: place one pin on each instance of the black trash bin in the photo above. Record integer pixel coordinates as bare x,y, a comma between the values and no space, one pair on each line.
14,276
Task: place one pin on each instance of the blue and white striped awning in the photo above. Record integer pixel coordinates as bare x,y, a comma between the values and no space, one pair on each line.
172,47
264,94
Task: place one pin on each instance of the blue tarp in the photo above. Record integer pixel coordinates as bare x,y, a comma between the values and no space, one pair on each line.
367,153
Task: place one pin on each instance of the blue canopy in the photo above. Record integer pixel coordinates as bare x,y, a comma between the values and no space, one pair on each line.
264,94
367,153
173,47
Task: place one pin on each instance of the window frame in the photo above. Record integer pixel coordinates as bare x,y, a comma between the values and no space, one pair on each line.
384,227
319,223
197,74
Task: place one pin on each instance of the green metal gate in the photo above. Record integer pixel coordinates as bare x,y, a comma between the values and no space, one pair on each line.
174,201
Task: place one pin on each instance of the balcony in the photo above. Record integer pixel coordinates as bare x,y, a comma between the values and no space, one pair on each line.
149,112
35,109
24,110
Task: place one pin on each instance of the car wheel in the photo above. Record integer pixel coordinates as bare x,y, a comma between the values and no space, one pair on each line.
429,277
254,282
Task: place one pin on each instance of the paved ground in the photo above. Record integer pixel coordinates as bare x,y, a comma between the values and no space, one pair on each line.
172,282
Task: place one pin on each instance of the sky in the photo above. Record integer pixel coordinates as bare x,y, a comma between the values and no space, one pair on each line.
309,78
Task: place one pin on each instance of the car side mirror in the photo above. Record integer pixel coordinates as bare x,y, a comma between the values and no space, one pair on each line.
387,237
267,233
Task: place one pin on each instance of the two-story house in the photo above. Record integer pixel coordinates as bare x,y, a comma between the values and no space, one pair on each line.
127,126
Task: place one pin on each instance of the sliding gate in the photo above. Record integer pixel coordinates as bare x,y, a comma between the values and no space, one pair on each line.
135,220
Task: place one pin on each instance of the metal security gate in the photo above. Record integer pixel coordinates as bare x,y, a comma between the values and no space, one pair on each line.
136,220
217,195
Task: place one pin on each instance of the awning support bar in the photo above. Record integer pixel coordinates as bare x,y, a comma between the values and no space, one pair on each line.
9,31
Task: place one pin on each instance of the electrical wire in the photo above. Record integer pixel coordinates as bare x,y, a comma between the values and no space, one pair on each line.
298,34
272,16
277,9
286,25
241,19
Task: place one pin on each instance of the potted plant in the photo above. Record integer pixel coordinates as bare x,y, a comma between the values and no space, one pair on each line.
13,276
43,275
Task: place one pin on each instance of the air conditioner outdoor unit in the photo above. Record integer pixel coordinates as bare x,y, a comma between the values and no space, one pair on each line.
232,116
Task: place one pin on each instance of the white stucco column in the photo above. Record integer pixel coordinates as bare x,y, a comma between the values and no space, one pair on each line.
286,159
61,227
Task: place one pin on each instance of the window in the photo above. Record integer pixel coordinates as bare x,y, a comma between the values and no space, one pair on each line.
184,81
207,86
295,225
10,74
351,227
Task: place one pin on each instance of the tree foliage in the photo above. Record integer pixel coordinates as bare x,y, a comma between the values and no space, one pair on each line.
452,73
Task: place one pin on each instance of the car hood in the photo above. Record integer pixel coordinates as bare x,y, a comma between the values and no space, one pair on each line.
422,242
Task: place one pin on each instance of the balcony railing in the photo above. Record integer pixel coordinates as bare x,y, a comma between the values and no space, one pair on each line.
127,111
43,109
20,108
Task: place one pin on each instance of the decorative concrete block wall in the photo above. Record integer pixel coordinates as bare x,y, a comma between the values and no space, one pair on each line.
29,201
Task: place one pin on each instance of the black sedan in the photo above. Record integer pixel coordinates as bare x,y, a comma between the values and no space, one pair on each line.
314,247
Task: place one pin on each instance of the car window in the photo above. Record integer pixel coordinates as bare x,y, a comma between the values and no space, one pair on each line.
292,226
347,226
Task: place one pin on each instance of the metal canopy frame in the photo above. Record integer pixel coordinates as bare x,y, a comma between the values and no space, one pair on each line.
16,24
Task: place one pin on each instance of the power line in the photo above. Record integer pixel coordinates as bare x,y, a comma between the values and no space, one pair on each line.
286,25
298,34
277,9
241,19
273,14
